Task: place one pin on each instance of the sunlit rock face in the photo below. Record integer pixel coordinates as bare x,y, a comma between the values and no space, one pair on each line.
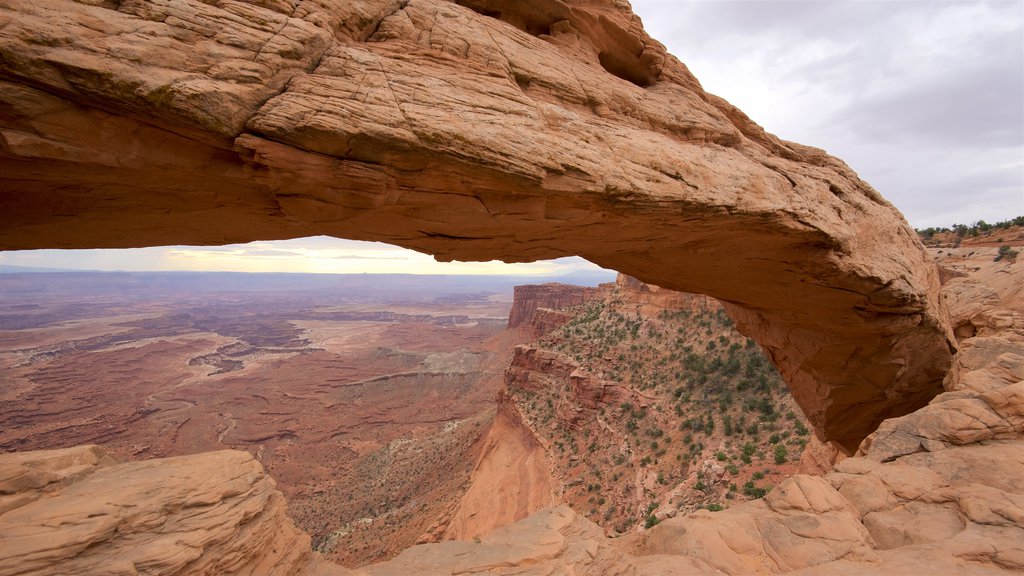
469,130
76,511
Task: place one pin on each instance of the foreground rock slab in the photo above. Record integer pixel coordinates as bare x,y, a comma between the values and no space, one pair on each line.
74,511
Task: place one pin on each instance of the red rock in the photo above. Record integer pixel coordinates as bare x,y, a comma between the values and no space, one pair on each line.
530,299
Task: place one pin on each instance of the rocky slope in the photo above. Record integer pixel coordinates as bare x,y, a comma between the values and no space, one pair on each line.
1006,233
511,480
648,404
471,130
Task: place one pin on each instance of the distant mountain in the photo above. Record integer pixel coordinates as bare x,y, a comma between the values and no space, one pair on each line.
9,269
24,280
279,280
586,277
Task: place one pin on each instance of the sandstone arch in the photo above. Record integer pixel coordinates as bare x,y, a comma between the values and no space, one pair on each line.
469,130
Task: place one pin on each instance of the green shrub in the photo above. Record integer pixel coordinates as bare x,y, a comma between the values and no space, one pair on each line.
780,454
1006,253
754,491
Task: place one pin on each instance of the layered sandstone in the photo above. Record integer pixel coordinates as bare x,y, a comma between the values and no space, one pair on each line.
533,368
648,300
473,130
75,511
533,300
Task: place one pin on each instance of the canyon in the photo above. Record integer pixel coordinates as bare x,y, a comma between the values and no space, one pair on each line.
366,399
484,129
935,491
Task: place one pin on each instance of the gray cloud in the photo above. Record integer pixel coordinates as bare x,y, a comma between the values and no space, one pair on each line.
924,99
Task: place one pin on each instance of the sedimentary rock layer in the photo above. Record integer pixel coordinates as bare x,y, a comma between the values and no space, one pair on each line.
527,300
473,130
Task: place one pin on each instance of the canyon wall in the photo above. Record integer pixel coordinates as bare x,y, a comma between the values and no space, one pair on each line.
650,405
469,130
511,480
530,299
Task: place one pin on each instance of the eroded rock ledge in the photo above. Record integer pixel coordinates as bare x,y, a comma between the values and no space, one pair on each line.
76,511
474,130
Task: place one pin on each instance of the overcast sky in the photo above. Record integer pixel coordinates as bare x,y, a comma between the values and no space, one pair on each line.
925,100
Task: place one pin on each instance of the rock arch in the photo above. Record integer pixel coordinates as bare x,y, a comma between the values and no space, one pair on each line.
469,130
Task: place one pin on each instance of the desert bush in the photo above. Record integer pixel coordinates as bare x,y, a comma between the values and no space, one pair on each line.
780,454
1006,253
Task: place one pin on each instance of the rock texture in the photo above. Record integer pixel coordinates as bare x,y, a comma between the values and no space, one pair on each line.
476,129
647,300
74,511
534,369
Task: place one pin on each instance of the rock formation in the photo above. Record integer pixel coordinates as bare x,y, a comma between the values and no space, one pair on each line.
528,300
648,300
476,129
75,511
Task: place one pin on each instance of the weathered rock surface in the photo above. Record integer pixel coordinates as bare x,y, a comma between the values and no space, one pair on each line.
74,511
803,522
533,368
552,541
644,299
470,130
